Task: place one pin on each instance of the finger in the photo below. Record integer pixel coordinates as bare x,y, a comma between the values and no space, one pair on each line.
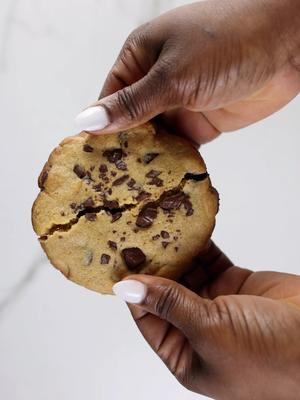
132,105
207,267
137,56
193,125
165,299
167,341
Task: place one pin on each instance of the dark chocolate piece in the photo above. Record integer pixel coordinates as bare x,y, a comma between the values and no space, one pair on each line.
188,206
103,169
120,180
113,155
142,196
131,183
43,177
88,148
111,204
115,216
112,245
120,164
79,171
196,177
105,258
148,157
156,182
165,234
146,216
88,202
165,244
172,201
133,257
91,216
156,237
153,174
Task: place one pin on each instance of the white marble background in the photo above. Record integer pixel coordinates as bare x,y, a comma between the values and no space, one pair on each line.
57,340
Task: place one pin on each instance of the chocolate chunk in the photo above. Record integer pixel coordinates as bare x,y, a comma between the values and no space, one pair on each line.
172,201
165,244
153,174
139,160
188,206
105,258
88,148
109,191
62,213
79,171
92,167
133,257
112,245
142,196
176,248
88,202
131,183
98,187
165,234
156,182
120,164
111,204
103,169
113,155
113,173
120,180
88,258
43,177
126,144
156,237
91,216
148,157
196,177
115,216
73,206
123,239
146,216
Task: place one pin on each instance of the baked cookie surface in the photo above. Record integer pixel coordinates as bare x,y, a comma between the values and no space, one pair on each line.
135,202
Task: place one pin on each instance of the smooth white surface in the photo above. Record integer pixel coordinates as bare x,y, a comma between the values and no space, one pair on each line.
58,340
92,119
130,291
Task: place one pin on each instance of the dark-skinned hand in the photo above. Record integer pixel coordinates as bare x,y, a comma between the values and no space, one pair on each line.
207,67
225,332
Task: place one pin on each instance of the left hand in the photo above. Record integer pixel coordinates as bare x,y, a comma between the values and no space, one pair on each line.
228,332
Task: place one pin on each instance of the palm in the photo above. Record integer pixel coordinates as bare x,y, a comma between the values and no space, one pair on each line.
253,309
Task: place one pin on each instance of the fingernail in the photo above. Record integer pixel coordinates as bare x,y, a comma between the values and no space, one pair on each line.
92,119
130,291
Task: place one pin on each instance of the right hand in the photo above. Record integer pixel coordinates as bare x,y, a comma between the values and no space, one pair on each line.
209,67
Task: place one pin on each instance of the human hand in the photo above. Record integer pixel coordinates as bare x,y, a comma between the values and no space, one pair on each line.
229,333
209,67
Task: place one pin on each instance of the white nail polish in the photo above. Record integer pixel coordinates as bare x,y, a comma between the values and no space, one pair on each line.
130,291
92,119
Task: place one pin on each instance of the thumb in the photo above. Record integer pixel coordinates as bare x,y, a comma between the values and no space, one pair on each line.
167,300
132,105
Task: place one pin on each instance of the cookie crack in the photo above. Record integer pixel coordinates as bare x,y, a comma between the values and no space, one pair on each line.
91,212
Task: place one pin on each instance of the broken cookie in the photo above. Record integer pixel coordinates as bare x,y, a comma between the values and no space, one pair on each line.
139,201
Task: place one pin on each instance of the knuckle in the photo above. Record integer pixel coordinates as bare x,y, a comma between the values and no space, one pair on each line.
127,103
167,302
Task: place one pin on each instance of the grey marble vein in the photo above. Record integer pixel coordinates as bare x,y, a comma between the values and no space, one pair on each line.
15,292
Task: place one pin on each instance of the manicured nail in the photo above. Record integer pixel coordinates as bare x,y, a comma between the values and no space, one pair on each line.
92,119
130,291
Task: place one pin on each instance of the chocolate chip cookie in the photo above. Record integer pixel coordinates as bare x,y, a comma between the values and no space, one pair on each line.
139,201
